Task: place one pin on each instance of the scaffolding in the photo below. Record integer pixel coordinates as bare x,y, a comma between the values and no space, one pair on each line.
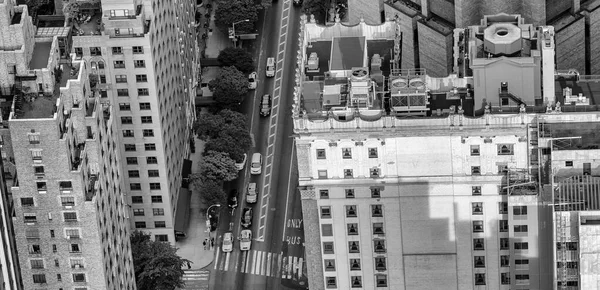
520,182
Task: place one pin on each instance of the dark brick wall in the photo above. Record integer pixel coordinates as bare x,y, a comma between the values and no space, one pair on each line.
312,237
570,46
594,40
435,51
443,9
407,25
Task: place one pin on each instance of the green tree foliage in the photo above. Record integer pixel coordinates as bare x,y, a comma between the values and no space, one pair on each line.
209,126
228,144
156,264
318,8
232,11
237,57
218,166
70,10
230,87
211,191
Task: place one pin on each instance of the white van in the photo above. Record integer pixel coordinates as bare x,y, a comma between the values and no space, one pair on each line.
256,165
270,67
251,193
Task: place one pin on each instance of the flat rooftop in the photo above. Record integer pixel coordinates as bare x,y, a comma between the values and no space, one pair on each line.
88,23
41,54
347,52
41,107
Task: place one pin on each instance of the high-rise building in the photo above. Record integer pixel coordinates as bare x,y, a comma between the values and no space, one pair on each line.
71,219
425,27
410,181
143,55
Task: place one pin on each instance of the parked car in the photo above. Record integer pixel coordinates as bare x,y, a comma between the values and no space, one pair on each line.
245,240
240,166
252,81
251,193
298,2
265,105
247,217
227,242
256,165
270,71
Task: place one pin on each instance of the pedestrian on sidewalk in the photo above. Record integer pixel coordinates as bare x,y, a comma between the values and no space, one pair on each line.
204,244
212,242
189,265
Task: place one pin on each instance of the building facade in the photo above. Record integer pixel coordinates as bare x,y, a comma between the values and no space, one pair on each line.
411,181
143,56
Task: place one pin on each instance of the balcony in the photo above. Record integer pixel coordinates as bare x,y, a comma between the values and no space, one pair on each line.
78,154
92,187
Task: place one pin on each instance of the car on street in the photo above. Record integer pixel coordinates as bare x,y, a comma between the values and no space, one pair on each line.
270,71
265,105
298,2
247,217
227,242
252,81
256,165
251,193
240,166
245,240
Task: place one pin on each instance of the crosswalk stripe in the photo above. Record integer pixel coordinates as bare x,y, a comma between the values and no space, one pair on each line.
227,257
268,264
243,265
299,268
258,263
217,257
278,266
248,263
263,266
254,263
290,269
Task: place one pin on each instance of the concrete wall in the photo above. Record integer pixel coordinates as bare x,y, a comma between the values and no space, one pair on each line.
570,46
520,78
435,51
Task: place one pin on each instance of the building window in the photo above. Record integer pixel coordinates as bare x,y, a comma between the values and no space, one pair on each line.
34,138
27,201
380,264
140,225
353,247
504,244
478,245
157,199
502,169
124,107
122,92
153,173
351,211
372,152
128,134
102,79
138,49
76,263
378,229
375,192
67,200
477,208
38,170
327,230
324,193
520,229
523,264
29,217
138,212
37,263
321,154
505,278
119,64
374,172
325,212
520,210
146,119
348,173
75,248
160,224
143,92
139,63
322,174
503,207
134,173
36,155
330,282
70,216
354,264
135,186
479,261
329,265
522,279
474,150
505,259
137,199
569,163
141,78
72,233
379,246
381,280
479,279
155,186
41,187
144,106
161,238
117,50
78,52
356,281
349,193
151,160
95,51
505,149
328,248
475,190
346,153
521,246
158,211
32,233
475,170
352,229
79,277
35,249
126,120
121,78
150,147
503,226
39,278
376,210
478,226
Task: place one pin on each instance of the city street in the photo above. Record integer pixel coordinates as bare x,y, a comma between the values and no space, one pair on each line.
276,257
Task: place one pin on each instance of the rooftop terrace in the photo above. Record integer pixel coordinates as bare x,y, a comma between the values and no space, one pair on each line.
41,54
88,23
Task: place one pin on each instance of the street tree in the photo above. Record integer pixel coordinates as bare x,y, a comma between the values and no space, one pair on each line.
227,144
230,87
156,264
318,8
218,166
232,11
209,125
210,191
237,57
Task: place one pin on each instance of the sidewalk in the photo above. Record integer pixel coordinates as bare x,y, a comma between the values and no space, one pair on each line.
191,247
216,40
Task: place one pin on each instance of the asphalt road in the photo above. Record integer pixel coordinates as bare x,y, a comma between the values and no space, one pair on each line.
276,258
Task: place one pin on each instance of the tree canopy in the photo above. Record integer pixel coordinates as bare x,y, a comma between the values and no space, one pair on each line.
218,166
211,191
318,8
230,87
237,57
228,144
211,125
156,264
232,11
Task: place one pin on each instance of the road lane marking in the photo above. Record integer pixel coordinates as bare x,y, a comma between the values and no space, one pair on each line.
217,257
243,264
253,270
257,267
227,257
247,264
289,188
299,268
268,273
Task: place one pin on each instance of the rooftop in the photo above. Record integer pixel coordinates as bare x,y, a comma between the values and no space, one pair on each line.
347,52
34,107
41,54
88,23
53,31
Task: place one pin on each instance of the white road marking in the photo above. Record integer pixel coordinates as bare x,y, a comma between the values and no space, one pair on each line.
247,264
227,257
217,257
268,273
289,189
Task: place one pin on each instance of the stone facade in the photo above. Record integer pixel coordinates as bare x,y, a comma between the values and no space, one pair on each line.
570,46
594,22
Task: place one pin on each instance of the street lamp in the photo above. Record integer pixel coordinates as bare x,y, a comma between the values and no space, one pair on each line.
232,36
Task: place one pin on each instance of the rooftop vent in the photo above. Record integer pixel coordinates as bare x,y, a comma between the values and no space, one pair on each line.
360,73
313,62
502,39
